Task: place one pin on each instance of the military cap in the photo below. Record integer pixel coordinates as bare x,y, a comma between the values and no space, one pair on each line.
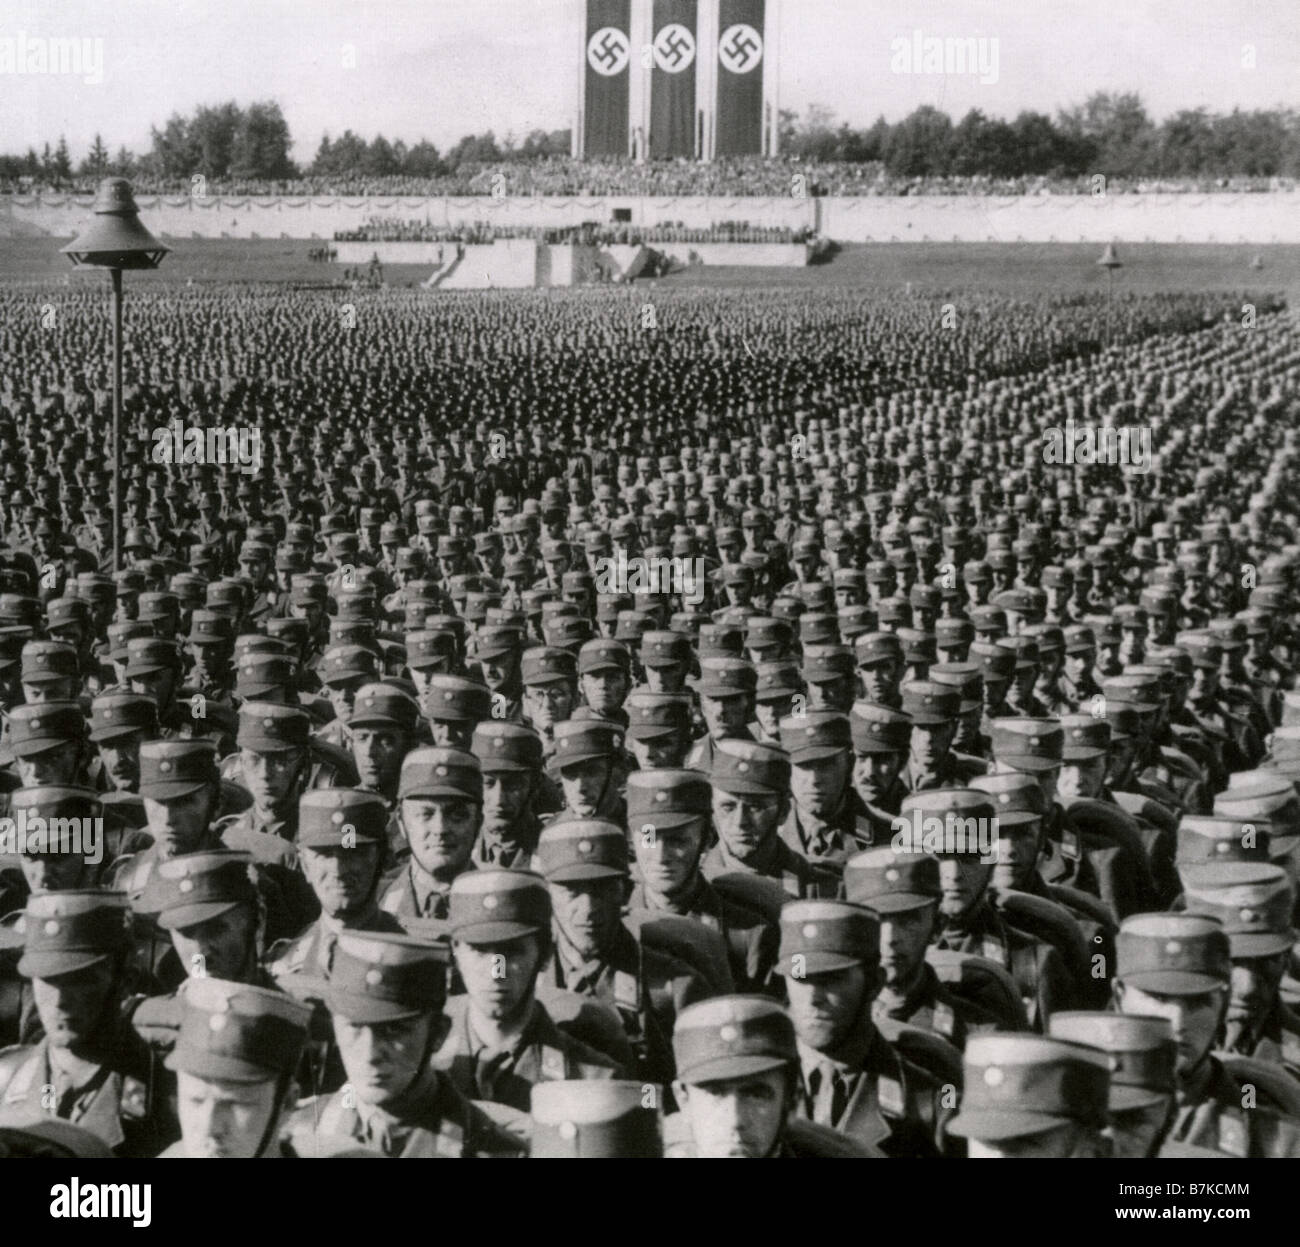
1206,839
951,633
492,906
989,618
571,850
887,882
720,640
594,1118
667,797
1142,1053
1018,1085
333,818
259,672
604,655
823,663
815,735
1027,744
1253,901
732,1037
776,681
209,628
820,936
501,746
1079,639
1264,796
819,629
1173,954
1086,737
49,801
927,703
750,768
43,662
440,772
67,931
267,727
17,608
341,663
113,715
874,647
895,610
305,590
171,769
95,587
726,677
1124,720
66,613
376,977
949,805
1017,796
854,621
384,705
453,699
225,596
147,654
582,740
158,605
878,729
996,662
879,572
495,642
35,728
197,887
547,664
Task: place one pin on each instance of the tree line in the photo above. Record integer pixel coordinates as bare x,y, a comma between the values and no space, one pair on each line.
1110,133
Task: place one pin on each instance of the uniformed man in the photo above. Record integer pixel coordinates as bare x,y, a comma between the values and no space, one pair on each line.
853,1079
659,727
1179,967
751,800
881,740
726,691
91,1068
1142,1052
234,1060
386,994
1254,901
595,954
439,814
903,889
822,822
1030,1096
510,757
501,1040
668,819
738,1086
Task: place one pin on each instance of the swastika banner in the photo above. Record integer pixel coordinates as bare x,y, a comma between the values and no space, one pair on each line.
608,52
740,77
672,81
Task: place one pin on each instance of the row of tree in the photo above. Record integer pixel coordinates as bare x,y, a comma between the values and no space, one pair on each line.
1109,133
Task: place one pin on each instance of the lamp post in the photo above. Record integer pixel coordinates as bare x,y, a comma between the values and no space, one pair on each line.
116,240
1110,262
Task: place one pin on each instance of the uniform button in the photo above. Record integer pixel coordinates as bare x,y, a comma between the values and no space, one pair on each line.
993,1076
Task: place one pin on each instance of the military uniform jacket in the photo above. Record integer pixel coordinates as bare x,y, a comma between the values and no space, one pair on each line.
1276,1040
398,896
646,987
1040,974
544,1053
1213,1117
753,945
931,1007
888,1102
800,877
834,841
438,1121
276,857
116,1103
953,772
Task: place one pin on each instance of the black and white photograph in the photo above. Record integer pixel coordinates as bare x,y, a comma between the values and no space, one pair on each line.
650,579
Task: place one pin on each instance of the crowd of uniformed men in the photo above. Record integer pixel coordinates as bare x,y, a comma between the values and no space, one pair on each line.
402,831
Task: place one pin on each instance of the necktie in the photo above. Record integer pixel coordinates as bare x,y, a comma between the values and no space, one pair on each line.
829,1093
493,1063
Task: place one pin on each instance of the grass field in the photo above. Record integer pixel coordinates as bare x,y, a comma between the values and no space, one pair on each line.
1005,267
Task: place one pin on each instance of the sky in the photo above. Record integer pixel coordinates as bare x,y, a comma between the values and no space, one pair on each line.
439,69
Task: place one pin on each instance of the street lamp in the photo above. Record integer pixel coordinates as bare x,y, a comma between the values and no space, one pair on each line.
116,240
1110,262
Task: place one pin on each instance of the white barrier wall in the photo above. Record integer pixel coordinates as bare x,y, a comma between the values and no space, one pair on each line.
1262,218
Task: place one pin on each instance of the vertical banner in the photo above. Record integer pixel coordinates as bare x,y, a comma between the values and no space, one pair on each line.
740,78
608,52
672,81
